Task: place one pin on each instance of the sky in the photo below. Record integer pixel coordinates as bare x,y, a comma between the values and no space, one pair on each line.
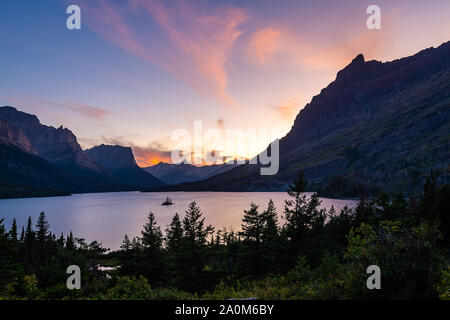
138,70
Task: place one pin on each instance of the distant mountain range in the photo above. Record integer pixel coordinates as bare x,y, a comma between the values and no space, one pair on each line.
185,172
39,160
377,127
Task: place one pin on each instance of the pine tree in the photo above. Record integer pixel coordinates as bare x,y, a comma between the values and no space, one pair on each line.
152,238
136,243
362,211
302,214
13,233
218,237
42,228
70,243
6,257
252,226
30,247
126,243
192,256
270,230
61,241
29,236
295,226
195,232
174,234
153,265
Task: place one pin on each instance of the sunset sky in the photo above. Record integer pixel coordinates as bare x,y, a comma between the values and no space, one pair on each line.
139,69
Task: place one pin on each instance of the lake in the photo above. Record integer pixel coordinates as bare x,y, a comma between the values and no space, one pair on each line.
107,217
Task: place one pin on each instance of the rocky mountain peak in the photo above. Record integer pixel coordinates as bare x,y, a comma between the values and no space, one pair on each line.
358,59
58,146
357,69
112,156
18,118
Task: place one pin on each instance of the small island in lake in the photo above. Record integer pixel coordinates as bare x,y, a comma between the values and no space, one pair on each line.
168,202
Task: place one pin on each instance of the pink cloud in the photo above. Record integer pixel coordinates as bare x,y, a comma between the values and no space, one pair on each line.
34,102
270,46
195,44
91,112
265,43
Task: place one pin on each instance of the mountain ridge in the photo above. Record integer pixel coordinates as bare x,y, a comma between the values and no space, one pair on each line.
56,145
185,172
39,160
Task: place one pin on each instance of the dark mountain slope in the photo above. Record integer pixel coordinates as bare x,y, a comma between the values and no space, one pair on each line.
23,174
121,163
378,126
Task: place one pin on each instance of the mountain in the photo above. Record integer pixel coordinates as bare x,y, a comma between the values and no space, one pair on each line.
121,163
185,172
56,145
377,127
38,160
23,174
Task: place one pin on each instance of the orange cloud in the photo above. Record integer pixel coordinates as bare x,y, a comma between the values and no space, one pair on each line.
280,45
197,42
288,109
149,156
265,43
276,46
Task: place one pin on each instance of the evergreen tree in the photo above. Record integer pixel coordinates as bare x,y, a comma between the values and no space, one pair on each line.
30,248
61,241
296,224
22,235
126,243
195,232
70,243
153,265
13,233
130,257
192,257
270,230
29,236
6,257
253,223
136,243
152,238
364,212
174,234
304,221
42,228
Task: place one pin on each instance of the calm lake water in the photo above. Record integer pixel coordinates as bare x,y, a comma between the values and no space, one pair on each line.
107,217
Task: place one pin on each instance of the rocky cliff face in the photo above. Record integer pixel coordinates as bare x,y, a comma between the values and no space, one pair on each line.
56,145
10,134
112,157
121,163
377,127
